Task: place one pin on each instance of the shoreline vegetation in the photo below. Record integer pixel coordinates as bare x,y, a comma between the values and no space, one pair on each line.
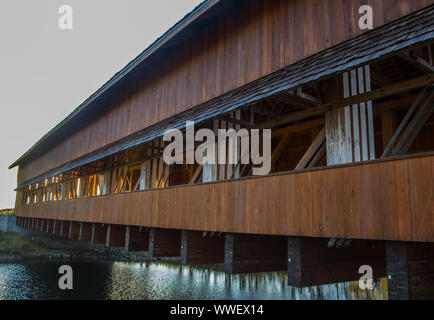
12,243
33,246
7,211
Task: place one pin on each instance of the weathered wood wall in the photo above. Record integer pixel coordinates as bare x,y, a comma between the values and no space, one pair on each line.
392,200
253,39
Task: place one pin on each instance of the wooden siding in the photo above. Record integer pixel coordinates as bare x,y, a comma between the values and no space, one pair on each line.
391,200
256,38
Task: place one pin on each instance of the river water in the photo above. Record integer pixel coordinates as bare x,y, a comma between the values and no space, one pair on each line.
159,280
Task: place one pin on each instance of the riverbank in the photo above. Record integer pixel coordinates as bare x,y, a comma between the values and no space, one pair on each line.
34,246
13,244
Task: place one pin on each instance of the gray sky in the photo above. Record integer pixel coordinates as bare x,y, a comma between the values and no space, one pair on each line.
46,72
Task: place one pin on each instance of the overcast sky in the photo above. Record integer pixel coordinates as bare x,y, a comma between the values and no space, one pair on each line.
46,72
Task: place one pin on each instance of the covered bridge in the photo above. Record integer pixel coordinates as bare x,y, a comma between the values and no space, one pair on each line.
352,161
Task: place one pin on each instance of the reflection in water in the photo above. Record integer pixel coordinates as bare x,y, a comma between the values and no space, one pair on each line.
126,280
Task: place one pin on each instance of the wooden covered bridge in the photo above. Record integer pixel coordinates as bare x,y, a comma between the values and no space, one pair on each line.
352,157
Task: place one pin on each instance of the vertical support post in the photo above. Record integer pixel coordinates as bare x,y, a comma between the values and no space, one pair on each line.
80,233
209,171
70,230
79,187
349,130
106,182
229,253
142,178
151,242
92,238
61,229
127,238
107,241
54,226
61,191
48,226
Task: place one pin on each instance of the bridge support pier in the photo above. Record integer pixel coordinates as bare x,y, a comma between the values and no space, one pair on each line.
311,262
62,229
164,243
199,249
115,236
410,270
136,239
246,253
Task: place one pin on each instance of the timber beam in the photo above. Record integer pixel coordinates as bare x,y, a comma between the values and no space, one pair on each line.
396,88
164,243
312,262
322,108
202,248
247,253
418,62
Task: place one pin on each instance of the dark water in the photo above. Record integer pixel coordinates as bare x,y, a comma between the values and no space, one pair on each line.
147,281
